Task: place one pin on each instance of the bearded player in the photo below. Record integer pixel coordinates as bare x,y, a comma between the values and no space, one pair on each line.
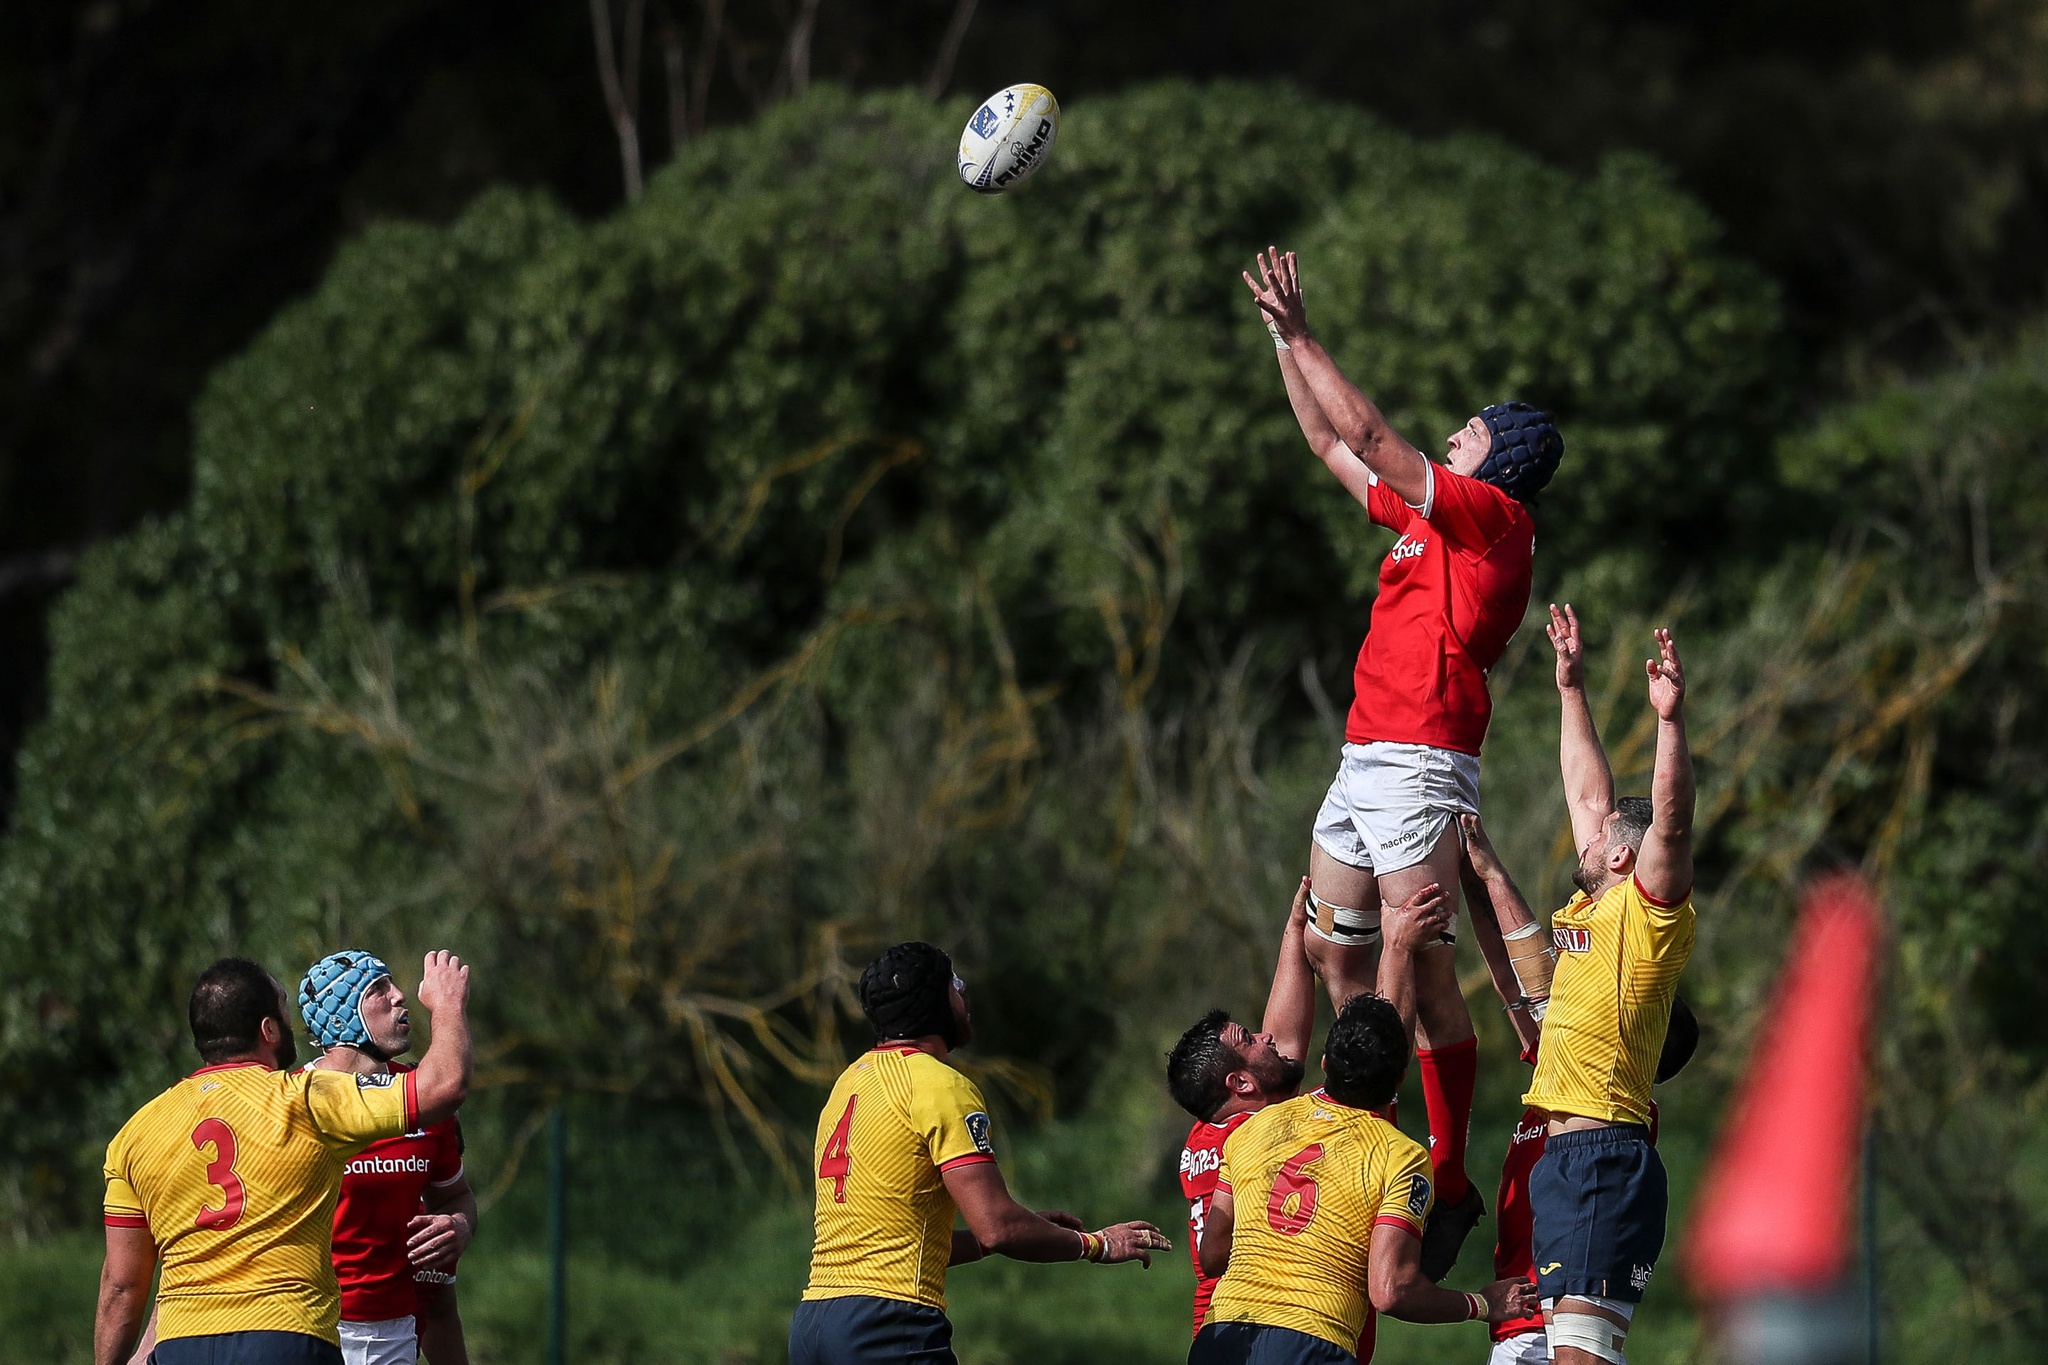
406,1206
1598,1196
1332,1199
1497,904
1451,594
228,1180
903,1143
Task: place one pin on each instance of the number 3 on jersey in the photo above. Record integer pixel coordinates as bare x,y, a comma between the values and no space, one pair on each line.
220,1173
1293,1183
837,1161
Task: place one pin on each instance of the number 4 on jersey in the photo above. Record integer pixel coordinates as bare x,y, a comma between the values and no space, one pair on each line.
837,1161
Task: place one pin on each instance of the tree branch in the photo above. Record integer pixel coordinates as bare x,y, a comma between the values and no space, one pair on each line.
625,121
949,49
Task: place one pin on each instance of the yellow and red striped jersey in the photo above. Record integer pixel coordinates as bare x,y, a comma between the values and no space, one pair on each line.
235,1170
1309,1179
1618,963
896,1120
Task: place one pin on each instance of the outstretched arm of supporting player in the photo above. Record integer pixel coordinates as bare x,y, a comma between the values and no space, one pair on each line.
1358,423
1664,867
1517,951
1001,1226
1588,782
1291,1003
1217,1227
442,1081
1399,1289
1407,930
124,1294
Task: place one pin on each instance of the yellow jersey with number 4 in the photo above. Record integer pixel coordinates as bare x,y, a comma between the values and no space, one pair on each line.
897,1119
1309,1179
1618,963
235,1171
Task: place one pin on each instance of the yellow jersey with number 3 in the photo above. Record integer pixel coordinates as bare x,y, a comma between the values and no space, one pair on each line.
1618,963
897,1119
1309,1179
235,1171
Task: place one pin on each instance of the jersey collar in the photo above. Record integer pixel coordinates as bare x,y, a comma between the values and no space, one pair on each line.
228,1066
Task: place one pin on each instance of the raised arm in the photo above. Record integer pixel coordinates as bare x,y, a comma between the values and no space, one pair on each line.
1511,939
442,1081
1355,419
1291,1003
1588,782
1664,867
1406,931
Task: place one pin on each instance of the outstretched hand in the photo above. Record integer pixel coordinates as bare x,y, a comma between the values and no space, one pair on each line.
1297,914
1667,677
1417,922
1485,863
444,982
1563,631
1507,1300
1132,1242
1278,291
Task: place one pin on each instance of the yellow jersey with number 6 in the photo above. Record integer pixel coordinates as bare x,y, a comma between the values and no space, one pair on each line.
1618,963
235,1171
897,1119
1309,1179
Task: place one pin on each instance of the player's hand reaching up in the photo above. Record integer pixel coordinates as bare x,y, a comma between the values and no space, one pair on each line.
1486,863
1278,291
444,983
1417,922
1507,1300
1667,677
1297,914
1563,631
1132,1242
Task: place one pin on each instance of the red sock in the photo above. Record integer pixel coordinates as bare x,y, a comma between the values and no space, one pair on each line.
1448,1077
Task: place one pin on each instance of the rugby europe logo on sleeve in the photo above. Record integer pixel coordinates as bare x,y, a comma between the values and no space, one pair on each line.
977,1131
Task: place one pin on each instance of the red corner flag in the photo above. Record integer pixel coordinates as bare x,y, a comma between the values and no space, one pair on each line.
1773,1211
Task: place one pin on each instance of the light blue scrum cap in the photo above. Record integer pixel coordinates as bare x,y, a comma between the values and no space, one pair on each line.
331,997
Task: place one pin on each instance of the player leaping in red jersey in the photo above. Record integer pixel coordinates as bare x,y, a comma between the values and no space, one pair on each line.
1451,593
405,1204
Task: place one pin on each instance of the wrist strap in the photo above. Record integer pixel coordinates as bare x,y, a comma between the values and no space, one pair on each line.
1093,1246
1475,1308
1274,328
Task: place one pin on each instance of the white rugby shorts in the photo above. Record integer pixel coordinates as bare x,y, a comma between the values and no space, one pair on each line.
1391,803
1524,1348
393,1341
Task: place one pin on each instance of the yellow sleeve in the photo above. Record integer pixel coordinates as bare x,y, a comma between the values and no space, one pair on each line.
1223,1161
1406,1196
949,1114
1662,917
122,1207
355,1111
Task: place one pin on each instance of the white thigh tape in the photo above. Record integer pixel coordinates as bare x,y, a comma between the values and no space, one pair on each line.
1342,925
1588,1332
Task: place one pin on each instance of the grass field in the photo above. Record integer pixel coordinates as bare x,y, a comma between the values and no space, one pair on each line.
680,1275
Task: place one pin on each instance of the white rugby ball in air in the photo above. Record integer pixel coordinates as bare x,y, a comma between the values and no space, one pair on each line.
1008,138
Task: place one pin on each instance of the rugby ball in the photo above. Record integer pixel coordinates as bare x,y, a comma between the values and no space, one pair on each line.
1008,138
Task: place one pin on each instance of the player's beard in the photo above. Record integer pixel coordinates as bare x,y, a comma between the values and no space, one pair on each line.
1585,878
288,1048
1280,1077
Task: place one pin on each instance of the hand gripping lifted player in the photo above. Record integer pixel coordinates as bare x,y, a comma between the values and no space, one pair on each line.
1451,592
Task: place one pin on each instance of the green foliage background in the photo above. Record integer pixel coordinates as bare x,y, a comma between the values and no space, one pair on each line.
668,610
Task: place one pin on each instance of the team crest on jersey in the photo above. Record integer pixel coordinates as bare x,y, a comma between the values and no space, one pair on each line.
1572,940
1418,1195
977,1130
382,1082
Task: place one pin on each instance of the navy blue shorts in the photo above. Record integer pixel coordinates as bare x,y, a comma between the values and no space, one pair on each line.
1251,1343
1598,1199
864,1330
247,1348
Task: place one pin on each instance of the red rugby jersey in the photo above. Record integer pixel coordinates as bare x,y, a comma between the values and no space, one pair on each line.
1452,593
381,1189
1199,1161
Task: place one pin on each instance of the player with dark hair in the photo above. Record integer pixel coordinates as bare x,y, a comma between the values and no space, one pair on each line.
1497,905
1334,1199
1451,594
1598,1196
902,1143
405,1206
1222,1073
228,1179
